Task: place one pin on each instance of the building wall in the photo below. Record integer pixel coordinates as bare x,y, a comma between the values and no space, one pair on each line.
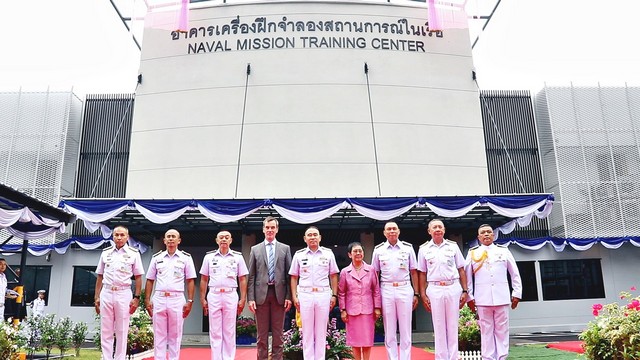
104,151
513,156
619,269
39,142
590,141
307,121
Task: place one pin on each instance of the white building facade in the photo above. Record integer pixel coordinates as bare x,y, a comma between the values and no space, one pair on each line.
253,103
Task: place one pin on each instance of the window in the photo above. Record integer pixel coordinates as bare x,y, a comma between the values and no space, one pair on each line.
36,278
572,279
84,286
529,283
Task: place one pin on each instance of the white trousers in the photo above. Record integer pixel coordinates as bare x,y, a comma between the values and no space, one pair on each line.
445,310
397,311
114,319
223,310
494,329
167,325
314,312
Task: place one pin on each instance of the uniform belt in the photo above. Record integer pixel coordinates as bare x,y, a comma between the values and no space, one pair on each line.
395,284
311,289
169,293
222,289
442,283
116,288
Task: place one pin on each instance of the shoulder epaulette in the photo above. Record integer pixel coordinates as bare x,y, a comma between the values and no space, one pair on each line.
301,250
407,243
325,248
133,249
158,253
235,252
451,241
379,245
108,248
424,244
502,246
186,253
475,247
211,252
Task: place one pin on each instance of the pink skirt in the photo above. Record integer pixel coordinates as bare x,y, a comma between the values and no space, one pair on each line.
360,329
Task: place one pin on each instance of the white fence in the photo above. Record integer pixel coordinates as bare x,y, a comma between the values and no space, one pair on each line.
469,355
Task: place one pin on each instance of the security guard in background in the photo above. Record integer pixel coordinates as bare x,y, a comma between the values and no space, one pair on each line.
38,304
223,271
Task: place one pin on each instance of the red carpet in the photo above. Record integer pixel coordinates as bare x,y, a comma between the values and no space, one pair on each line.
249,353
573,346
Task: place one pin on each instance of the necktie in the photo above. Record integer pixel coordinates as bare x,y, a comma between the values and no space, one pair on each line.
272,262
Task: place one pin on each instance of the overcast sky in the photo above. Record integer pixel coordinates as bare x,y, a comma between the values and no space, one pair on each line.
82,43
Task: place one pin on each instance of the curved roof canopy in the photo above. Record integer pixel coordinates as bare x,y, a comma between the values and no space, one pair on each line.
29,218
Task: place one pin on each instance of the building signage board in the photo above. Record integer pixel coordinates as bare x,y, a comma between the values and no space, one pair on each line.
358,98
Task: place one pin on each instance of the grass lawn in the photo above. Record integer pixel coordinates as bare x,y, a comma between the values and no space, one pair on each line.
85,354
524,352
528,352
89,354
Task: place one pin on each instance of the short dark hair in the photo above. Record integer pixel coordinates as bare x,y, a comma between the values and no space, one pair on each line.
352,245
311,227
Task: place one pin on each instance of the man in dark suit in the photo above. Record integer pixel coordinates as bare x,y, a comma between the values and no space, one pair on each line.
269,293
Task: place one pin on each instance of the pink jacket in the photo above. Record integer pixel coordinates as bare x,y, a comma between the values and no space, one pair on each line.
359,295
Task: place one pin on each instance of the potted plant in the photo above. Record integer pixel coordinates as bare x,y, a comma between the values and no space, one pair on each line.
140,335
378,335
613,334
245,330
468,331
292,347
337,348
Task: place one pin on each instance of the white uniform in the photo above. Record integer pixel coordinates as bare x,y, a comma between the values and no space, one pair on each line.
394,263
38,307
314,294
169,273
441,264
117,267
223,272
3,290
487,268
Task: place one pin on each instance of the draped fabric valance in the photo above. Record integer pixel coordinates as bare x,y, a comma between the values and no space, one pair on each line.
25,224
520,208
579,244
61,247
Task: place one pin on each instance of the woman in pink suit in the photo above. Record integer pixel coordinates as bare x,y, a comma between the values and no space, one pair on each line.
360,302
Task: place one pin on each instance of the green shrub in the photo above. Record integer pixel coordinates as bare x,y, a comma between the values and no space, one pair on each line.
614,334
